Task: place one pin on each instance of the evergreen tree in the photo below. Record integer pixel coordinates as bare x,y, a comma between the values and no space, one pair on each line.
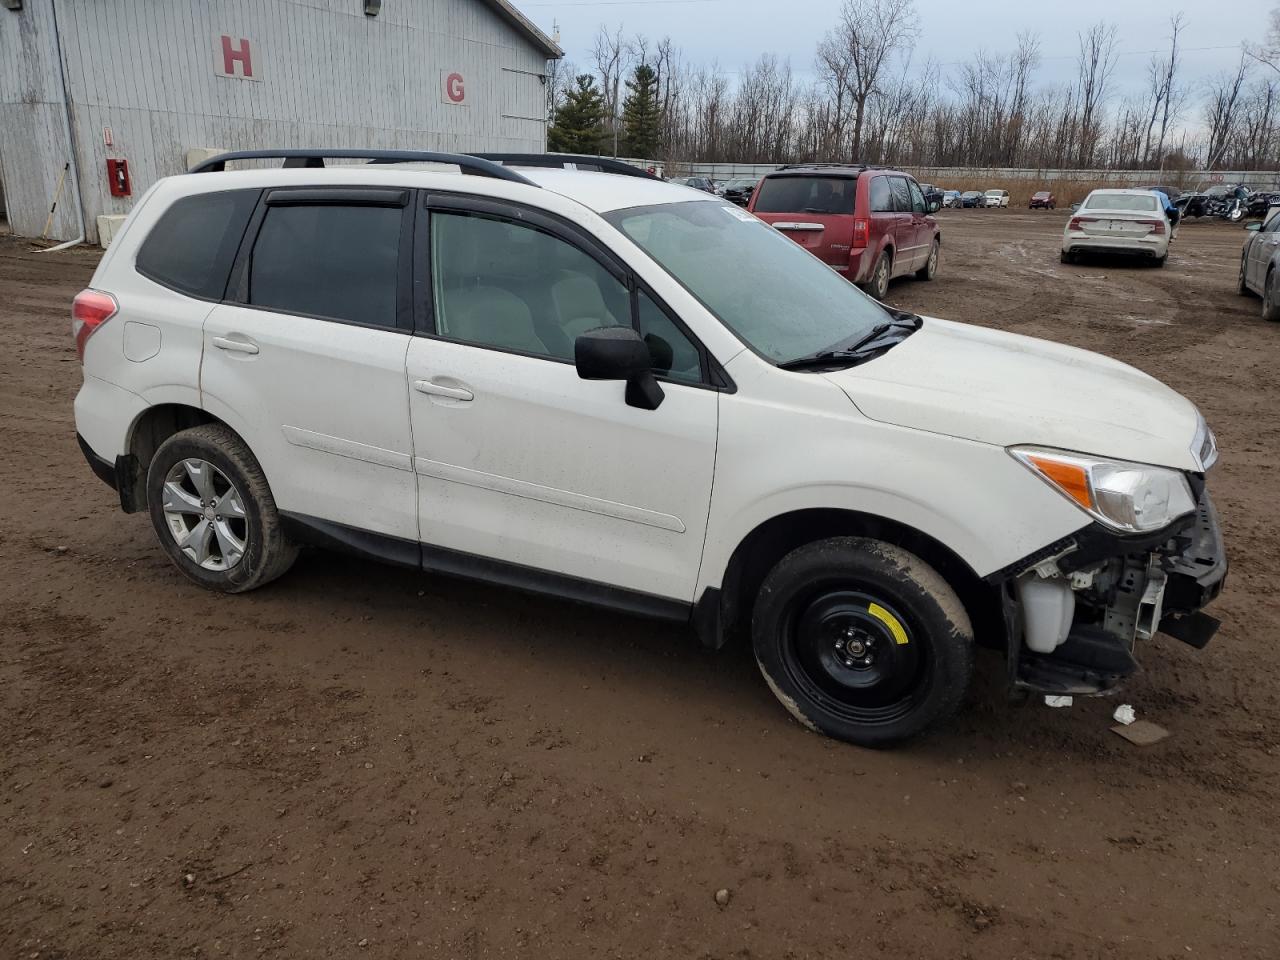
642,114
578,124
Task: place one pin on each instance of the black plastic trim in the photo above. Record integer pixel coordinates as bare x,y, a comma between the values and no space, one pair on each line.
532,580
338,536
102,468
338,196
408,553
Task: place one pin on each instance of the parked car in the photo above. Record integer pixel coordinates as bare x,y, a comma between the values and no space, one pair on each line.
1118,221
1171,192
637,396
973,198
739,191
951,198
1042,200
869,224
698,183
997,198
932,194
1260,263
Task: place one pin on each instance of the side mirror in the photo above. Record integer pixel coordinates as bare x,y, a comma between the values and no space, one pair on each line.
1253,227
934,206
619,353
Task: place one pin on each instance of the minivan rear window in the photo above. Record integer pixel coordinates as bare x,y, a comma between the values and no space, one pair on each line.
192,245
832,195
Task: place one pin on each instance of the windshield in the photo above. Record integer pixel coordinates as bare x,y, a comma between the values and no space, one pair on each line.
993,193
806,195
781,300
1121,201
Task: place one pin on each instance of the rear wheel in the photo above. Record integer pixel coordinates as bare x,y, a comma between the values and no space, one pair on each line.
1160,261
1066,256
878,285
213,511
930,268
861,640
1271,298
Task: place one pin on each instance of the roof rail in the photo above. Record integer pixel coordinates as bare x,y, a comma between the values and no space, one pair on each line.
846,166
558,160
477,166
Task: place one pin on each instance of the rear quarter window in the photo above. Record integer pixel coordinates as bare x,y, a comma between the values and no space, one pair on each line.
191,247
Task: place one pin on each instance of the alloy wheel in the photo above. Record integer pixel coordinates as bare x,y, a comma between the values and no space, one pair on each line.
205,514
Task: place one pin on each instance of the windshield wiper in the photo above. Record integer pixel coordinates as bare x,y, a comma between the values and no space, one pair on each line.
857,351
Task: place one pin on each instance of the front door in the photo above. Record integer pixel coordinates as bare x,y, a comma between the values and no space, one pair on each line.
1261,250
307,361
518,460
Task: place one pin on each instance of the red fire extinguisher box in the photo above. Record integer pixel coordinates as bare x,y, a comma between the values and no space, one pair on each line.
118,178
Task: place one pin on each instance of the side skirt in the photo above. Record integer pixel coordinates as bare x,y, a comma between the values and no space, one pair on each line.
408,553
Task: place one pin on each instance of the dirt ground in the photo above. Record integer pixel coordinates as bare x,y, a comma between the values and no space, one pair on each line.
358,761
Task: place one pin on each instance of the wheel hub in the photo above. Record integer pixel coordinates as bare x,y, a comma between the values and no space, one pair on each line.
205,514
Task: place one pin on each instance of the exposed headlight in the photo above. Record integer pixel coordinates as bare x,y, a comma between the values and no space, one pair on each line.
1127,497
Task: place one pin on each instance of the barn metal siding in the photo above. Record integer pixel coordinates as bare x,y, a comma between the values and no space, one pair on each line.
330,76
33,139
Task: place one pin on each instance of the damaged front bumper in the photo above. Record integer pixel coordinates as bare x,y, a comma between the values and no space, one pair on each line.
1074,614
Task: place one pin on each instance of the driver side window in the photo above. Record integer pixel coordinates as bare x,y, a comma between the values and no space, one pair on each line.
511,286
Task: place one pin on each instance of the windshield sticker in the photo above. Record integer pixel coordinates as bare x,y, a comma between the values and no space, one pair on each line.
740,213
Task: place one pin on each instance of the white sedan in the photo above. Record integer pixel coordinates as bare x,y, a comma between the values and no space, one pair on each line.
1118,221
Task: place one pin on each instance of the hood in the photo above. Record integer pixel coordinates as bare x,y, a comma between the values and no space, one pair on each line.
1005,389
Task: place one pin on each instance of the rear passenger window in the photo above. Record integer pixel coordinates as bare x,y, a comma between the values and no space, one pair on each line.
901,194
881,196
336,262
193,244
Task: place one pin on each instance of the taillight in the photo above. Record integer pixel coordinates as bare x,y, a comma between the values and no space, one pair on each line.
1157,226
861,231
90,310
1076,221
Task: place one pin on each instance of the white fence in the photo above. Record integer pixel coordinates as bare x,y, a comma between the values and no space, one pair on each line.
975,177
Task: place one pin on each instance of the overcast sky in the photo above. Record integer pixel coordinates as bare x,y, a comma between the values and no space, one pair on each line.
736,32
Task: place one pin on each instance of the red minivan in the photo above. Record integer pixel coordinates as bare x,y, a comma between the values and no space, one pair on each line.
868,223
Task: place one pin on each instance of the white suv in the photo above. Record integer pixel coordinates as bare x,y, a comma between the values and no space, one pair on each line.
614,390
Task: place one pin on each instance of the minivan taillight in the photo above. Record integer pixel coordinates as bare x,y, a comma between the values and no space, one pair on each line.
861,231
90,310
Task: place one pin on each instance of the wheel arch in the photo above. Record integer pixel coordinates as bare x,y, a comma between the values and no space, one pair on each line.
148,431
722,613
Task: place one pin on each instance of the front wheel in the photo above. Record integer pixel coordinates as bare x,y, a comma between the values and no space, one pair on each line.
878,285
862,640
1242,288
214,513
930,268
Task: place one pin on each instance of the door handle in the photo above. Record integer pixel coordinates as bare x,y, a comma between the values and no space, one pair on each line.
440,390
235,346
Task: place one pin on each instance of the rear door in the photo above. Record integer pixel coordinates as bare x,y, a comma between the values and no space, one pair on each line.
306,359
906,233
815,212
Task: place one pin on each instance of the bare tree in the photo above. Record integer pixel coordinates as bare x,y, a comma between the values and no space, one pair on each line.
1094,66
869,35
1220,108
1268,51
611,54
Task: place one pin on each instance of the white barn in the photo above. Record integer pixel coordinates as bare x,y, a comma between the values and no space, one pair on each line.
154,83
